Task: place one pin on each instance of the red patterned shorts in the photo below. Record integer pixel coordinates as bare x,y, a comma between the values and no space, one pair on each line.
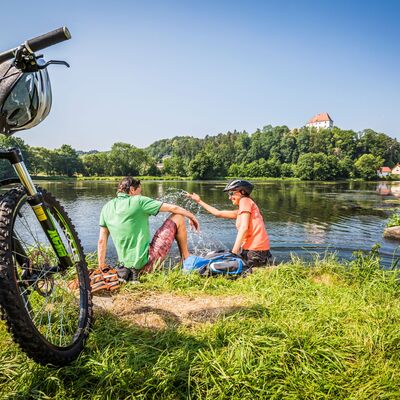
160,244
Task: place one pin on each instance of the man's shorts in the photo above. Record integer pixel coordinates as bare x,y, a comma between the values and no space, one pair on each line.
257,258
160,244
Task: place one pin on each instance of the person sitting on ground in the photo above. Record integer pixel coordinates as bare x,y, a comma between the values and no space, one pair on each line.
126,218
252,241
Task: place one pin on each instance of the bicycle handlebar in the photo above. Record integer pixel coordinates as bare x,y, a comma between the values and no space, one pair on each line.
40,42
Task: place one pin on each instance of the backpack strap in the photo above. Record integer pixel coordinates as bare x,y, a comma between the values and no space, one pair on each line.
227,256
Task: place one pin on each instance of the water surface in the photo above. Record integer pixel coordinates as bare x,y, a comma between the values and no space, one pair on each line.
301,217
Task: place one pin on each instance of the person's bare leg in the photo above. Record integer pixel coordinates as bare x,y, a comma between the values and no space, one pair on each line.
181,235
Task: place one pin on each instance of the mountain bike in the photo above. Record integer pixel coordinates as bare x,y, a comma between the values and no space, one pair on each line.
44,285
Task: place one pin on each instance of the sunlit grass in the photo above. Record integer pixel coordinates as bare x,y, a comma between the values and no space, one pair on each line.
320,330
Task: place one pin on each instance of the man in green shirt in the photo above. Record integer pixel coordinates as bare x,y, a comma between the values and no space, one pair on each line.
126,218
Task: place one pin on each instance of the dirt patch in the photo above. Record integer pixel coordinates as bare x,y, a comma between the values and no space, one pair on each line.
324,279
162,310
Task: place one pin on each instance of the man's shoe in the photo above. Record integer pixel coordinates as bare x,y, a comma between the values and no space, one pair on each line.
123,273
134,277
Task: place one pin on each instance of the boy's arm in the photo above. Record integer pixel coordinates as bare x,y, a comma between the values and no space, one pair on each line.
242,231
232,214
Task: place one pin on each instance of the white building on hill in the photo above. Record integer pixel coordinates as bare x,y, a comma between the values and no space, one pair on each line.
320,121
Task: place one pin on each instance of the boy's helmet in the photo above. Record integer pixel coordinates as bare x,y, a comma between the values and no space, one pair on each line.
25,98
238,185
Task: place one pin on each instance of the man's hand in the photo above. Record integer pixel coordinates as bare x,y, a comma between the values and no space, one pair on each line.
194,223
195,197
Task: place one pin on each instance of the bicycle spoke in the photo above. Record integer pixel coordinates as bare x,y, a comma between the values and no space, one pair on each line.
45,292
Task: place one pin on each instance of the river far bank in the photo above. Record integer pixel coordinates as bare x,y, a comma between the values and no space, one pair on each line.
150,178
182,178
319,330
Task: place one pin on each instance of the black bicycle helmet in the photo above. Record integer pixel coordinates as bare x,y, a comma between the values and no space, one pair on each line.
239,185
25,98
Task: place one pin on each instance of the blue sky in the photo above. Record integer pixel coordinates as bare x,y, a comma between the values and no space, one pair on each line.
143,71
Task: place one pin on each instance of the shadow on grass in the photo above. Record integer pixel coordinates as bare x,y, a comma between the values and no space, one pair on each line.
122,360
160,318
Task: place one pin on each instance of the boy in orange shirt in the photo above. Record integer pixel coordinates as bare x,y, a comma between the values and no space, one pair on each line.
252,241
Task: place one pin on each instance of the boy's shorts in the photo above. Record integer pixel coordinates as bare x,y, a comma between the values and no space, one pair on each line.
257,258
160,244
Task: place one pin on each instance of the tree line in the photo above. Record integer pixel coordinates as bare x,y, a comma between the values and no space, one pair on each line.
308,154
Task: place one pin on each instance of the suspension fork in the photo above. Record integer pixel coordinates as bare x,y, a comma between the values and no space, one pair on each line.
35,200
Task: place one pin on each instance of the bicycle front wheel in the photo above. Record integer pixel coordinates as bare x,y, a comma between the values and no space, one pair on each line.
47,309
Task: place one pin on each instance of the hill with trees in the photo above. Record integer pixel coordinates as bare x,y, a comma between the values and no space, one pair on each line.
309,154
305,153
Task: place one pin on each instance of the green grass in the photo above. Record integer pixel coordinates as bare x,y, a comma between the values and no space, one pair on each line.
53,178
394,220
179,178
324,330
143,178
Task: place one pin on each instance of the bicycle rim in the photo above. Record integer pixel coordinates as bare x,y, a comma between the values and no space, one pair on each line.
56,310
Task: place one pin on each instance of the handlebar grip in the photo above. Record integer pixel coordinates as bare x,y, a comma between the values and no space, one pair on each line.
40,42
7,55
49,39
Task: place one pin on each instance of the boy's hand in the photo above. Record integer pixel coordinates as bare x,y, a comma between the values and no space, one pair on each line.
195,197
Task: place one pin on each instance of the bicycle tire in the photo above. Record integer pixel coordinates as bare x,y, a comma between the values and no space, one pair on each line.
21,297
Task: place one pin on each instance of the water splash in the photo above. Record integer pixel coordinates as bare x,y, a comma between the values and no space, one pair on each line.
200,243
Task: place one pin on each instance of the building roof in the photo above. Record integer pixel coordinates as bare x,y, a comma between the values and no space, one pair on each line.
385,169
320,118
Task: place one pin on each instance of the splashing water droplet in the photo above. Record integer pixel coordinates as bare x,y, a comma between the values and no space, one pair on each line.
200,243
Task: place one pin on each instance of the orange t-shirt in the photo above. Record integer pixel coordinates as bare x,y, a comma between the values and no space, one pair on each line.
257,236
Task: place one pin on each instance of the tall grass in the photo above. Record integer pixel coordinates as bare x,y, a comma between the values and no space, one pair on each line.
305,331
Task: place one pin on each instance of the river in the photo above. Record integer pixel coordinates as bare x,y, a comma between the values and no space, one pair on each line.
302,218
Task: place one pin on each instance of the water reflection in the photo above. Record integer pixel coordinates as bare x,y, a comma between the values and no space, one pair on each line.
389,189
301,217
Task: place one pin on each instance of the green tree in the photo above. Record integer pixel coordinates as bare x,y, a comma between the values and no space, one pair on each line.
321,141
175,166
346,168
44,160
317,166
96,164
303,139
288,149
367,165
202,167
125,159
288,170
235,170
6,170
67,161
344,142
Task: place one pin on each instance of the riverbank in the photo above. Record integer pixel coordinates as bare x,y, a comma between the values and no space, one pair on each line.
185,178
150,178
324,330
104,178
178,178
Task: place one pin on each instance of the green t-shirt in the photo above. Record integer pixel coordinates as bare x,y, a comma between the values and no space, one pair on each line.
127,219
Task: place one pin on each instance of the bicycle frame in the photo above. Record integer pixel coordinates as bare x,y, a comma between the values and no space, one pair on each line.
35,200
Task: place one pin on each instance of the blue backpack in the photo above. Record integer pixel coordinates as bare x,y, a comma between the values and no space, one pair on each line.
216,263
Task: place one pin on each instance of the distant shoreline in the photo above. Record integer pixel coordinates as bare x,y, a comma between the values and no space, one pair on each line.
188,179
